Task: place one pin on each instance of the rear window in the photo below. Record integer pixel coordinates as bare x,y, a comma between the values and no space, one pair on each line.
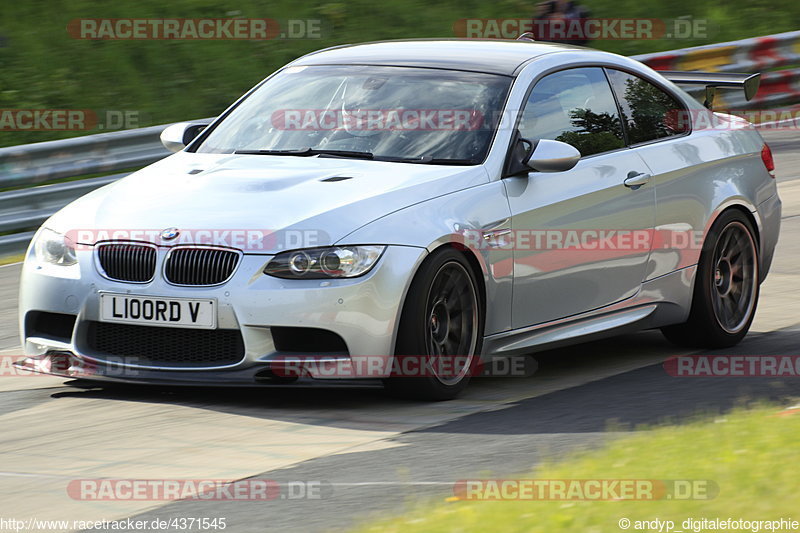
648,112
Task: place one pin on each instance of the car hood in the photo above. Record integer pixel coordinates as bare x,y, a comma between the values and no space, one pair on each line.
200,193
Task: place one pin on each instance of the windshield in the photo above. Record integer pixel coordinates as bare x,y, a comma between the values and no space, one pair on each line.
392,113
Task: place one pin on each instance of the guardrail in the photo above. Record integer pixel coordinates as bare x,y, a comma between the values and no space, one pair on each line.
22,210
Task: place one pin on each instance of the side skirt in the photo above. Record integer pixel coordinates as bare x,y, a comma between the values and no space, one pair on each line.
660,302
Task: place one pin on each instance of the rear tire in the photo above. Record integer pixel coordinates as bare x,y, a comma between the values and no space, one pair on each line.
441,322
726,287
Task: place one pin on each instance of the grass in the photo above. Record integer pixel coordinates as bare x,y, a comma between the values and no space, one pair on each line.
7,260
750,454
165,81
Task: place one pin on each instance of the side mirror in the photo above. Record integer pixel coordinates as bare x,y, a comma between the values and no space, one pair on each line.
177,136
553,156
517,161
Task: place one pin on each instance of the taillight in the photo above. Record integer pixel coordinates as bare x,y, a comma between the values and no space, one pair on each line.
769,161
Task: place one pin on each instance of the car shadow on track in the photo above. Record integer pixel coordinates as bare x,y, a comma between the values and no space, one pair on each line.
646,396
623,400
503,443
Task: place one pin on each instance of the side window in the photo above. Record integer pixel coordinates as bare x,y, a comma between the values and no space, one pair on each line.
649,112
575,106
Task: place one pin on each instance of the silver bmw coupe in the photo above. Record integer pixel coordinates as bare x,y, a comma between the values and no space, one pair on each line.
407,211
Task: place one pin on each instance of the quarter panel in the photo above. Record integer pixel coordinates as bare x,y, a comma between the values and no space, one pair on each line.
696,177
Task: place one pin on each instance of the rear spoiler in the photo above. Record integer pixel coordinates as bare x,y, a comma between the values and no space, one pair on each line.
716,80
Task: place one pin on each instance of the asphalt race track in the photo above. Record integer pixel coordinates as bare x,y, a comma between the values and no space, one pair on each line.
373,455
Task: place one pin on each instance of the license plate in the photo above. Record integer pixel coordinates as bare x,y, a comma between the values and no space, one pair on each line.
154,311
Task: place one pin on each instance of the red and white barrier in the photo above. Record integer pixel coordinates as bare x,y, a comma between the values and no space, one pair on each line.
758,54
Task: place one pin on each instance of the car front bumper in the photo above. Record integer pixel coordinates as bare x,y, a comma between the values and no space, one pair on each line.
363,311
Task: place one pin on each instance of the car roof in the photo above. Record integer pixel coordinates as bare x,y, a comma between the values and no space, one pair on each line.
490,56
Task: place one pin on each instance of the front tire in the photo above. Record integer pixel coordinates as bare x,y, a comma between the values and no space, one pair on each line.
726,287
441,323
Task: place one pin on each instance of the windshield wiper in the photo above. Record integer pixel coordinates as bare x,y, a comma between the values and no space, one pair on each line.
427,160
305,152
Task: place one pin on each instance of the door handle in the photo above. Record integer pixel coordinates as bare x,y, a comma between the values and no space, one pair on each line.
495,237
636,179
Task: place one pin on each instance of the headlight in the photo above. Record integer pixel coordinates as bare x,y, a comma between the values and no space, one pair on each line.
55,248
325,263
